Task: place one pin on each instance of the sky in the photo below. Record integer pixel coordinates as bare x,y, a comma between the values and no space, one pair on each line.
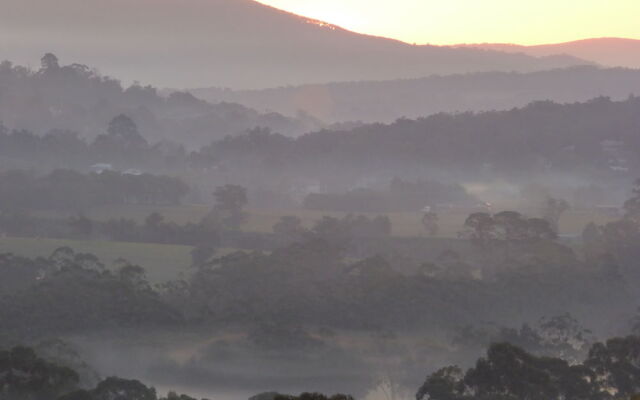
443,22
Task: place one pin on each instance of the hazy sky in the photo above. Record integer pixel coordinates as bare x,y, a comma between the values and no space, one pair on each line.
477,21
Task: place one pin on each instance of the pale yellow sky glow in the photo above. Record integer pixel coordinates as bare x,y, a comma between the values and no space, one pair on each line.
476,21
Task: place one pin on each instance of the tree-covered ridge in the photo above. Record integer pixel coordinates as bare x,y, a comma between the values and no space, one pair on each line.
595,137
78,98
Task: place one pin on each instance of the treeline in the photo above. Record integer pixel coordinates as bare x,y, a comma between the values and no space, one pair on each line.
212,232
122,146
309,282
313,272
71,191
592,137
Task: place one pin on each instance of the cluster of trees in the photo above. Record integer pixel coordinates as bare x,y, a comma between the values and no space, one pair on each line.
399,196
307,270
507,227
614,245
610,371
68,291
24,375
154,229
74,192
306,282
122,145
219,228
561,336
394,287
373,291
344,234
71,191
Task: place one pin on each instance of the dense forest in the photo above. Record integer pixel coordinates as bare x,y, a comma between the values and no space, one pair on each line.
576,148
592,137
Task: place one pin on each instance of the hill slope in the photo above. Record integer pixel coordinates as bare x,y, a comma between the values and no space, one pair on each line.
226,43
614,52
74,97
385,101
572,145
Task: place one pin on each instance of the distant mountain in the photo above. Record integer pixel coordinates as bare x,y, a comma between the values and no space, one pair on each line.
227,43
385,101
613,52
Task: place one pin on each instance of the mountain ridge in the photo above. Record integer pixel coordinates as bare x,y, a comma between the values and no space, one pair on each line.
385,101
606,51
240,44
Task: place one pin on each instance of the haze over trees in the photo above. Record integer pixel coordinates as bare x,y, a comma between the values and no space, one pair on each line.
393,235
77,98
386,101
581,144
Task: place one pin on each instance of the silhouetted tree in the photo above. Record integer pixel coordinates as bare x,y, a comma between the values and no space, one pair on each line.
49,62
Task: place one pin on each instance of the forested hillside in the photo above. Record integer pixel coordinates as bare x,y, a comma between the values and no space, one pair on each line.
77,98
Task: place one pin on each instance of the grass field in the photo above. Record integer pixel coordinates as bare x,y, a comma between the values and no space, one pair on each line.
162,262
403,224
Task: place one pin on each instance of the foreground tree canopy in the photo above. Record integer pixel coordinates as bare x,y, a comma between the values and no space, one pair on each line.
610,371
